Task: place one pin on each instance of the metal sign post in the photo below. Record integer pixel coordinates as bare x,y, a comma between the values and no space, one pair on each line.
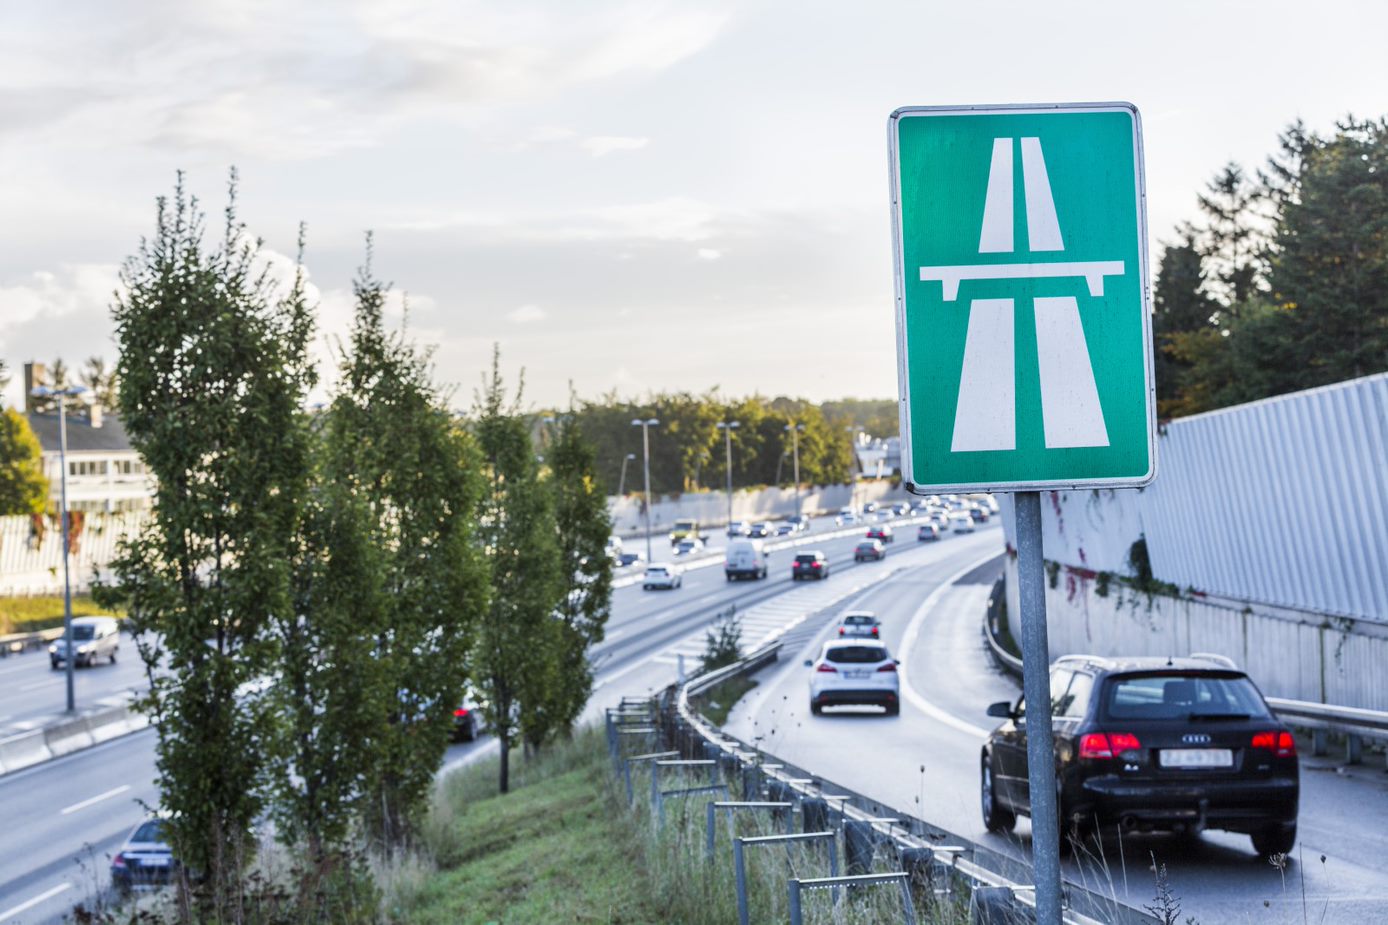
1024,340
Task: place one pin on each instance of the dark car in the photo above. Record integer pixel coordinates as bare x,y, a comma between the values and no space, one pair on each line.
881,532
467,718
869,549
978,512
1152,744
145,861
809,565
761,530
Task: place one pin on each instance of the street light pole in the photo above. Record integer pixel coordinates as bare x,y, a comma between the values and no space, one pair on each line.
795,430
727,429
622,481
646,426
70,657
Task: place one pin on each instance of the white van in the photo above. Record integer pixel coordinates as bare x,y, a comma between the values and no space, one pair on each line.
746,559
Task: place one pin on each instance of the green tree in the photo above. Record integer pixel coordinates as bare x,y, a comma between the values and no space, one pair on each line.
394,447
1179,307
101,381
585,570
514,657
1232,240
23,486
215,362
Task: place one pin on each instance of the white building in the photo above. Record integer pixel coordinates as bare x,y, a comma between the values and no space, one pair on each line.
104,473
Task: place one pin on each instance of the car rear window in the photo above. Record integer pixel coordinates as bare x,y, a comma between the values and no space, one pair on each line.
858,621
149,831
1177,695
656,571
807,557
857,655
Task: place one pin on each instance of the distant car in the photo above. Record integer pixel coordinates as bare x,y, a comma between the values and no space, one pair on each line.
978,512
1152,744
927,533
93,638
630,558
467,718
901,509
785,528
661,575
809,565
870,507
851,671
739,528
860,623
689,546
987,501
845,517
881,532
145,861
762,529
961,522
869,549
614,547
800,522
684,529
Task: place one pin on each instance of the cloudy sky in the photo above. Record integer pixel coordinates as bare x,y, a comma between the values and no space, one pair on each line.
629,195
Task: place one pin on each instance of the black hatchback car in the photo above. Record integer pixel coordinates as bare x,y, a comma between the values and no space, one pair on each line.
1152,744
810,565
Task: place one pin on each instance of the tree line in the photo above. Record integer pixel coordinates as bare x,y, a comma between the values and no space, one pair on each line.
689,451
318,587
1282,283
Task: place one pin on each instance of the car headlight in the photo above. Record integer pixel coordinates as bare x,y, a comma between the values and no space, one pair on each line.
84,648
53,649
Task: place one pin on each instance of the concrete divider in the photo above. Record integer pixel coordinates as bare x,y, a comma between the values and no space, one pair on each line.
23,750
67,736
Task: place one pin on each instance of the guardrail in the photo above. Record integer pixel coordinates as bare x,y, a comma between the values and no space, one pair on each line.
933,859
12,643
1354,723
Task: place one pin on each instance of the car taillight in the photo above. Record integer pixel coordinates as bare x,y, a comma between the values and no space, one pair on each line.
874,631
817,565
840,630
825,666
1280,743
888,667
461,711
118,860
1107,745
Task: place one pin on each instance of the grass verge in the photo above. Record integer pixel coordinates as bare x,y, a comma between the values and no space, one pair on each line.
30,614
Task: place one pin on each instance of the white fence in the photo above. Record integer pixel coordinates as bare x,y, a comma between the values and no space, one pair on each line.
31,553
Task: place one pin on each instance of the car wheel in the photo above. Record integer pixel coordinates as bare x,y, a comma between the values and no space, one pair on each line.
645,587
1277,839
815,708
53,663
996,817
113,655
894,709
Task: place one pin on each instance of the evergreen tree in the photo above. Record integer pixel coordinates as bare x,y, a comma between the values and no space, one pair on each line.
1232,242
513,662
216,367
583,526
395,449
23,486
1179,307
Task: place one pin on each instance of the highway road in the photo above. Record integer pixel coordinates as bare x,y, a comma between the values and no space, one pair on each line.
62,820
925,762
33,691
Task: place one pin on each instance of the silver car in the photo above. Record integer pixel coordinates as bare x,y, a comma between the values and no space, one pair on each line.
92,638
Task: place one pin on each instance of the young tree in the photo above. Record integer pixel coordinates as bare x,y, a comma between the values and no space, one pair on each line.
585,570
517,642
394,447
216,367
23,486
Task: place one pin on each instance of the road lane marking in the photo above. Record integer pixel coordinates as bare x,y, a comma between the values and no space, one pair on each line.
42,897
93,801
909,640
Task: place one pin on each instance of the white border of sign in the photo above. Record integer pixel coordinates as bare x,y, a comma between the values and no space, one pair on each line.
898,247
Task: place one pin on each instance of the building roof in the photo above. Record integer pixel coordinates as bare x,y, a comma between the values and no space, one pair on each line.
81,435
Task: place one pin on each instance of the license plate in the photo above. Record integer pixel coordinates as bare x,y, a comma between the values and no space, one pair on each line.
855,675
154,862
1196,758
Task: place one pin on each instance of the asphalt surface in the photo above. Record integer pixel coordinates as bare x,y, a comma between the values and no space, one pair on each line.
61,821
33,692
926,762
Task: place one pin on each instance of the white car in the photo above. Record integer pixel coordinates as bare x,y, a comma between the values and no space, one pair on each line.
739,528
661,575
92,638
846,516
688,547
961,522
854,671
863,623
746,559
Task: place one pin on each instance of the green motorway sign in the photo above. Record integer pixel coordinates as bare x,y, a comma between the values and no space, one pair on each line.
1024,343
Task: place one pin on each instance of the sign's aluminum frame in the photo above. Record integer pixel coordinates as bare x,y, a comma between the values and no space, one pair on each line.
898,250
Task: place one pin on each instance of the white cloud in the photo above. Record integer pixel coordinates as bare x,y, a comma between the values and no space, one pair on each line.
526,314
709,253
600,145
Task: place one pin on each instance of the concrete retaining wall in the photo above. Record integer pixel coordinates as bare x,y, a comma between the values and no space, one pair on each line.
710,508
66,735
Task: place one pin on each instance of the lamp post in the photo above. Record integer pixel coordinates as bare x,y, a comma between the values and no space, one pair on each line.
795,431
63,395
727,428
646,426
853,430
622,481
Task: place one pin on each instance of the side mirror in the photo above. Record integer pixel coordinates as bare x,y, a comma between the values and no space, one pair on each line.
809,663
896,661
1002,709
